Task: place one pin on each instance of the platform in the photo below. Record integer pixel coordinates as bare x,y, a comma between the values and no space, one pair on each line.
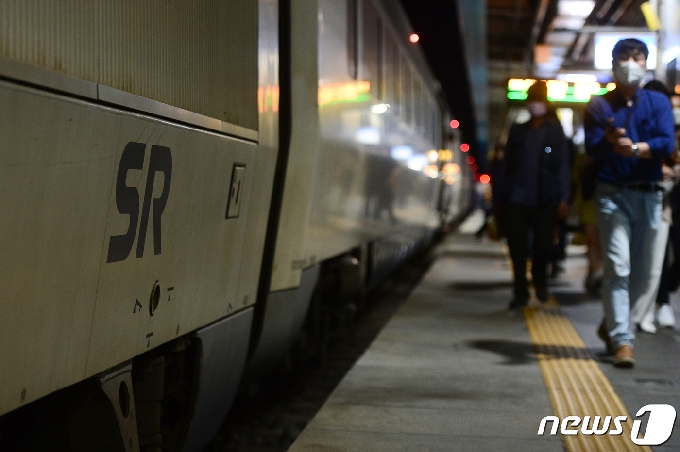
455,370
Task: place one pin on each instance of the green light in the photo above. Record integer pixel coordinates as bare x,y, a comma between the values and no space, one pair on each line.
359,98
517,95
569,98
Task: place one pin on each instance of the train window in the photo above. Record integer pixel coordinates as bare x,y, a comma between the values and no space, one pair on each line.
371,31
406,89
418,104
391,72
432,114
433,121
381,62
437,126
352,45
427,108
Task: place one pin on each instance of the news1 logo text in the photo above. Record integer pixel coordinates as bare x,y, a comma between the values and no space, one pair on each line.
659,425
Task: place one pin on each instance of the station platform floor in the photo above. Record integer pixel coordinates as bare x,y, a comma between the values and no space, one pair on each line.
455,370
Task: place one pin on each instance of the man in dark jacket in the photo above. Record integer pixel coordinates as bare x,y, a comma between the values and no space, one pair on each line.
629,131
536,191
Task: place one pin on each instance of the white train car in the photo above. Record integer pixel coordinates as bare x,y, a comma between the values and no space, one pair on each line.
176,179
366,112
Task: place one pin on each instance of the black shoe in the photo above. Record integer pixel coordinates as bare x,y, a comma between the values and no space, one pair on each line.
604,335
556,270
542,295
518,303
593,283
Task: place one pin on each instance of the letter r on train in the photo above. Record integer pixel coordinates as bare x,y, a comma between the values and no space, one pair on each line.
127,200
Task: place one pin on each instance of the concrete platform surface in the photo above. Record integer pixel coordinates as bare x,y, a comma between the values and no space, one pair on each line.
454,370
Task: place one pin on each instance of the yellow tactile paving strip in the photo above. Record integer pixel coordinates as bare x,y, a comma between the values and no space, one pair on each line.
575,383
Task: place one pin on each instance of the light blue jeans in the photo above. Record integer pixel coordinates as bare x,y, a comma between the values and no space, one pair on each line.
628,221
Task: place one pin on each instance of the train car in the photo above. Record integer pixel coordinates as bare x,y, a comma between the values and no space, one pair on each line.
178,180
362,176
458,180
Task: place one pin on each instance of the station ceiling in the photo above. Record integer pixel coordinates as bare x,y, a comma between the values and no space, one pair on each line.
561,31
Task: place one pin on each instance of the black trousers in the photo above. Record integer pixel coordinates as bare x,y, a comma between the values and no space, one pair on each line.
519,222
670,274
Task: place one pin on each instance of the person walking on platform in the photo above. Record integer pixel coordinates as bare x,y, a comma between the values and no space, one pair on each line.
670,277
584,204
536,191
642,313
670,253
629,131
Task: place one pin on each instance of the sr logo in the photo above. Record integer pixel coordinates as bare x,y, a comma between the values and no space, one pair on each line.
127,200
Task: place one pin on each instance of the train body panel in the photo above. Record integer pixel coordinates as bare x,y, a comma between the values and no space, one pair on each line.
178,184
282,319
368,193
223,352
104,205
298,189
199,267
345,186
143,48
82,260
51,246
351,187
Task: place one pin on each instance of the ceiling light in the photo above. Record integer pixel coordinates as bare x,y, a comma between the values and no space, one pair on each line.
401,152
557,89
575,8
577,78
417,162
368,135
380,108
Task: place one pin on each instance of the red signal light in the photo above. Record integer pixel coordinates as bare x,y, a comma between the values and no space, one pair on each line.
470,160
454,124
464,147
485,178
414,38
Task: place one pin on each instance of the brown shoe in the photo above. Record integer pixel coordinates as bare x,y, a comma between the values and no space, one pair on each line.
624,357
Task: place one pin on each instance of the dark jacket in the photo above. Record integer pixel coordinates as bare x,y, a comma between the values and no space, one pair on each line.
553,182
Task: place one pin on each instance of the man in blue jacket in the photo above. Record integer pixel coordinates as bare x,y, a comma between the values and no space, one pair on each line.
628,133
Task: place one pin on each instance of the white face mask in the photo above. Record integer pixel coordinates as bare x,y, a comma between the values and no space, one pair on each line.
537,109
629,73
676,116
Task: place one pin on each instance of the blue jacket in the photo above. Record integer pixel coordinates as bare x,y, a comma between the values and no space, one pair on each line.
649,119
